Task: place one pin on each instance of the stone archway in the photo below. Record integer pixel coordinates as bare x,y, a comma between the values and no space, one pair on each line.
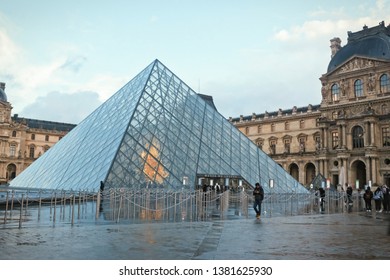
310,173
294,171
358,173
11,171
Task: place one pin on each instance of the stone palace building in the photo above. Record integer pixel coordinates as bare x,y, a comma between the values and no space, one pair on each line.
23,140
346,138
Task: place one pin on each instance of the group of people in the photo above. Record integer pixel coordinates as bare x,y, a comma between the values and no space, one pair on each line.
381,198
218,188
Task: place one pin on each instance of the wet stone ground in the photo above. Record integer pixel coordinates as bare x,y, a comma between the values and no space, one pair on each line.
345,236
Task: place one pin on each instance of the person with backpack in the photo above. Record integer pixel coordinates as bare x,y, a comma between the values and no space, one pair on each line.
349,194
258,194
367,196
322,199
386,198
378,196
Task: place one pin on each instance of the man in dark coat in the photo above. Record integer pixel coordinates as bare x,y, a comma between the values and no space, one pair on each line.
258,194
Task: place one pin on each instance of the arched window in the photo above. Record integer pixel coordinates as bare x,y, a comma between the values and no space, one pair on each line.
32,136
14,133
335,92
357,137
11,171
358,88
385,83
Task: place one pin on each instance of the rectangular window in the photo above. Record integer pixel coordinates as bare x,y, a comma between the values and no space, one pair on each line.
335,92
287,146
358,88
335,140
32,152
273,147
385,83
302,145
12,150
386,136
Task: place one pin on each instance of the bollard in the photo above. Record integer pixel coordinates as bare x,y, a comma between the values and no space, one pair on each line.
6,209
21,212
74,201
55,207
39,206
97,205
51,206
12,203
78,206
26,202
120,206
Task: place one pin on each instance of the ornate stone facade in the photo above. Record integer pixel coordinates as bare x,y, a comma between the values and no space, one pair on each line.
347,137
23,140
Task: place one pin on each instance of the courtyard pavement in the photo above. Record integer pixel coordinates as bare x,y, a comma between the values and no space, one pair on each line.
345,236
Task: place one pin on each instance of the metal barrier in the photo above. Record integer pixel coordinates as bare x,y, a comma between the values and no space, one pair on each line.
158,205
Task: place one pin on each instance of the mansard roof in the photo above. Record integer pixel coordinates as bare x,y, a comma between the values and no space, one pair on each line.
372,43
41,124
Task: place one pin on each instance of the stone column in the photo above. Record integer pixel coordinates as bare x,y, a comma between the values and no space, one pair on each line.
325,169
367,131
373,166
344,136
340,131
325,135
372,134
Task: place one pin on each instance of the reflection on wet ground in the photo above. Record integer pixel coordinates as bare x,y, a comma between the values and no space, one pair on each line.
355,235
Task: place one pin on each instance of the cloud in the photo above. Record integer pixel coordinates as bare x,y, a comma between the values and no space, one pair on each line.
74,63
63,107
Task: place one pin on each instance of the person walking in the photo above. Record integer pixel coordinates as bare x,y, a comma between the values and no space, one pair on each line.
386,198
349,194
322,194
258,194
378,196
367,196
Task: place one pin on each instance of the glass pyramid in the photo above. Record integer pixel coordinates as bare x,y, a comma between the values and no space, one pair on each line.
155,131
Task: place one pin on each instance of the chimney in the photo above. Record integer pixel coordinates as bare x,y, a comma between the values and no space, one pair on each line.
2,86
335,45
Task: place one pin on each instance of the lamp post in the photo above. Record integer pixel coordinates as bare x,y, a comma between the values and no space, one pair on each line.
271,186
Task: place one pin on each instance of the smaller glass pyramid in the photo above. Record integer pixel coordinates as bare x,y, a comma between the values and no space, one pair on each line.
155,131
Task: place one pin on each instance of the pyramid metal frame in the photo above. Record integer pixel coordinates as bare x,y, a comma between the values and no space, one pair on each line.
154,131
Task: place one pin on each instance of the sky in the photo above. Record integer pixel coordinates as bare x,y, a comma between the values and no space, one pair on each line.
61,59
